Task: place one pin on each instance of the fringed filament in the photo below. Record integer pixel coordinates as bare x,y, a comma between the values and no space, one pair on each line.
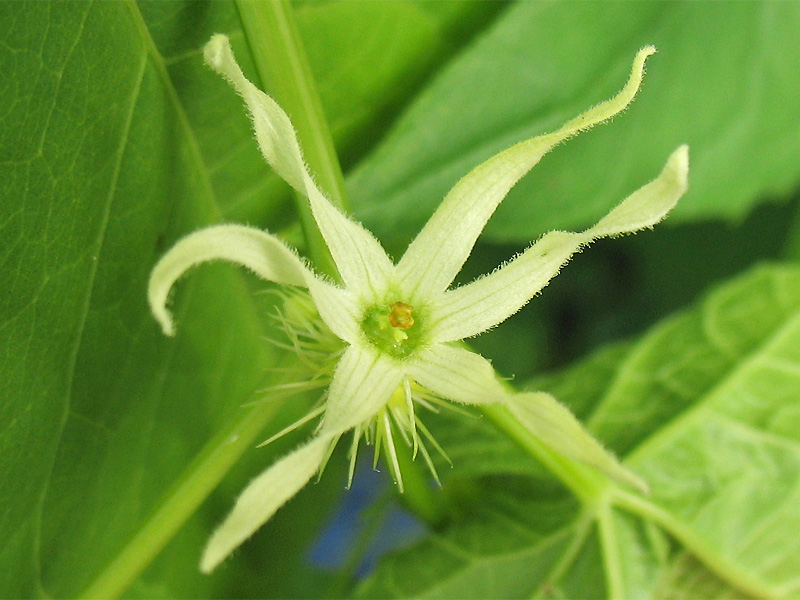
398,422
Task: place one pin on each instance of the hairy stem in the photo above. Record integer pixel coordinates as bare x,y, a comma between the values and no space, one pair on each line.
615,582
587,484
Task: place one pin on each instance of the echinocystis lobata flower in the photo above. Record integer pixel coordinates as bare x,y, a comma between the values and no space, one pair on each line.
400,323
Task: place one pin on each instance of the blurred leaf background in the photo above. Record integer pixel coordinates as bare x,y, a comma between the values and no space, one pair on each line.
115,140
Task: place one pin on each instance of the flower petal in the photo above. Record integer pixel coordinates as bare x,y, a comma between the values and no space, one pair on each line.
362,384
650,203
552,423
475,307
338,308
362,262
262,498
257,250
435,257
456,374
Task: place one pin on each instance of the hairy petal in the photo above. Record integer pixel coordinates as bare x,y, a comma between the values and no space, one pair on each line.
456,374
475,307
362,384
339,308
262,498
649,204
435,257
261,252
274,131
552,423
362,262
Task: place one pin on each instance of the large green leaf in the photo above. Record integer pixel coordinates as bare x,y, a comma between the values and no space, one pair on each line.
732,98
705,407
101,414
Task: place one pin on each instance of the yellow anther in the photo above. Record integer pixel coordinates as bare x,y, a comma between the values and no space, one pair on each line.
401,315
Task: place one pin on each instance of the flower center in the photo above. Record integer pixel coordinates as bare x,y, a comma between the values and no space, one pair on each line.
400,317
393,328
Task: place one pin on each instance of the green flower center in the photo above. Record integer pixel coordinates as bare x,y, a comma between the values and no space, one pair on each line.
394,328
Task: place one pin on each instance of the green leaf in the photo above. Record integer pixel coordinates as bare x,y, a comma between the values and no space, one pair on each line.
705,407
730,98
383,52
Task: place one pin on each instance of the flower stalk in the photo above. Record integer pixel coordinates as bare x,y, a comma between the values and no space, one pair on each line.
585,483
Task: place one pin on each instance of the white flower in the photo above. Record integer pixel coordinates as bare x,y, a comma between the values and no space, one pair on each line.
400,322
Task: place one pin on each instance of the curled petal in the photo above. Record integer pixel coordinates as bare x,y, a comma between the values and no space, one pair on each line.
456,374
262,253
552,423
262,498
474,308
362,384
274,131
362,262
435,257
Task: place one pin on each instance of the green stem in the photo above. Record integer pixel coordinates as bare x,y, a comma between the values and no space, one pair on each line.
345,577
418,496
284,70
611,555
586,483
199,479
681,531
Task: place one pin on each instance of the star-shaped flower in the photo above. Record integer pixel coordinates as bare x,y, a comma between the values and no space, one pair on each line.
401,323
